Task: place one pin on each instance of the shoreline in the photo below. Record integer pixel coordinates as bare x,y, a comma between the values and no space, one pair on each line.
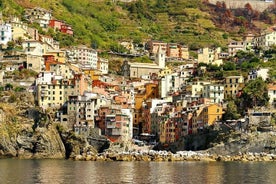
164,156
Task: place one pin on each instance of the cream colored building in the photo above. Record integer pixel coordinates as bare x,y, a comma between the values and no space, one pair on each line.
233,85
209,56
165,71
33,47
35,63
19,29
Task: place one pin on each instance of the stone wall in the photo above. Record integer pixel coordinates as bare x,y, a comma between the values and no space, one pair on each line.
256,4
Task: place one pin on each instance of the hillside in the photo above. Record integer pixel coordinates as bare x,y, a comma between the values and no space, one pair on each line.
102,23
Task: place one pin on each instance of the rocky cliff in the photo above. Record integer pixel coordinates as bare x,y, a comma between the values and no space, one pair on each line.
20,140
27,132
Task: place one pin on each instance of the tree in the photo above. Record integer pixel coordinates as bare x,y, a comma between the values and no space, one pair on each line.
231,111
229,66
255,94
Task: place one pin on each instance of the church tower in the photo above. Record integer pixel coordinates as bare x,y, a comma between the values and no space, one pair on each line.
160,57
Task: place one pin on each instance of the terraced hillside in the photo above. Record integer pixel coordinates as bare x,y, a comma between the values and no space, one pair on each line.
103,23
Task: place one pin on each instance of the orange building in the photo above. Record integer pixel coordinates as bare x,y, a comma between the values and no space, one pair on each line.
151,92
212,114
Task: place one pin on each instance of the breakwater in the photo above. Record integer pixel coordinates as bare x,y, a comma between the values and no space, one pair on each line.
157,156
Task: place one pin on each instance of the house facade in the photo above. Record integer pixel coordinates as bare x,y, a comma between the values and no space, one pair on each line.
235,46
5,33
233,85
39,15
209,56
214,92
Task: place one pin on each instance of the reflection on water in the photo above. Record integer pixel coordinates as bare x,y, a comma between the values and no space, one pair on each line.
64,171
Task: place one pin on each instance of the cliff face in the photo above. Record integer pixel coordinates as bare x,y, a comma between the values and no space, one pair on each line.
22,141
26,132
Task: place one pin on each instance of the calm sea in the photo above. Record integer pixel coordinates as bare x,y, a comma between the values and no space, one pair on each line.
77,172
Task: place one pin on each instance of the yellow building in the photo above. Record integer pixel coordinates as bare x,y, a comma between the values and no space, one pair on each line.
233,85
211,114
164,72
92,73
58,55
50,95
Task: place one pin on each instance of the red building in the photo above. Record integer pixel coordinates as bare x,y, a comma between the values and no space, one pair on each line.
67,29
56,24
61,26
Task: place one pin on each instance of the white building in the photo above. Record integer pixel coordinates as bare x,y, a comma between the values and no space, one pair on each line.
214,92
45,78
83,55
169,84
262,72
6,33
103,65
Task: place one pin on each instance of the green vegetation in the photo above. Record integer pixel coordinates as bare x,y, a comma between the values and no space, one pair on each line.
255,94
105,22
143,59
231,111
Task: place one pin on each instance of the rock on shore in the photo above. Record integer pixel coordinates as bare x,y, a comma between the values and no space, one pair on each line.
161,156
